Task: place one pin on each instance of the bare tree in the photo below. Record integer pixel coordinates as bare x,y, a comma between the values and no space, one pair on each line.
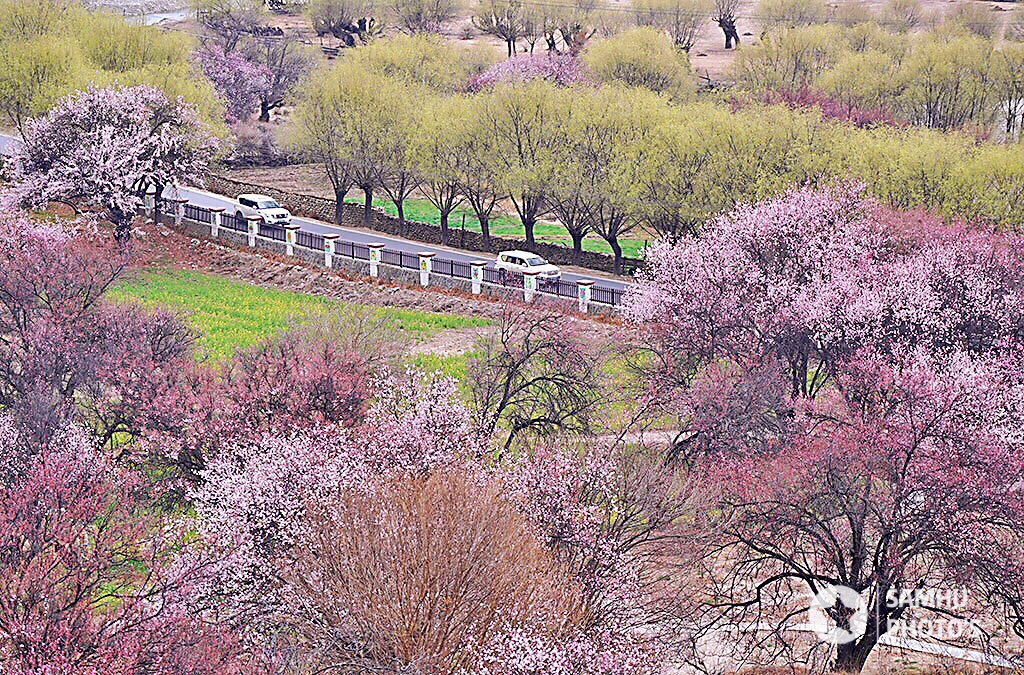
346,20
725,17
681,19
230,19
418,568
535,374
504,19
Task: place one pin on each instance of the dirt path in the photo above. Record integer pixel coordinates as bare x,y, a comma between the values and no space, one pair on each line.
451,342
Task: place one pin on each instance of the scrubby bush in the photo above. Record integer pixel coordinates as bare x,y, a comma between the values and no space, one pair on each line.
792,13
790,58
424,60
976,17
423,16
902,15
948,78
641,57
255,144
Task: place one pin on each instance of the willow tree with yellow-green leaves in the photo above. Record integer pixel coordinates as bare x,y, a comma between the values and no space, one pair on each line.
641,57
632,155
523,119
349,120
49,49
948,78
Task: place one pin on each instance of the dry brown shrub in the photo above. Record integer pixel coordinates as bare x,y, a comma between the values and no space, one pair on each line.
415,571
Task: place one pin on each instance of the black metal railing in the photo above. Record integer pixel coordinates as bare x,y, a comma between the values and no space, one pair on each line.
563,289
440,266
492,276
451,268
309,240
198,214
232,222
410,260
607,296
344,248
272,232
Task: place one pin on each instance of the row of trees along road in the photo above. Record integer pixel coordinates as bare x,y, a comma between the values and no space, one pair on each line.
580,155
607,155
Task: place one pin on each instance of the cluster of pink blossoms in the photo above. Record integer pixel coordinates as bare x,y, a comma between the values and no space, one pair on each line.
561,69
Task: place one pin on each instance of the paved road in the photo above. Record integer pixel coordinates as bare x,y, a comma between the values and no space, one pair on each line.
208,199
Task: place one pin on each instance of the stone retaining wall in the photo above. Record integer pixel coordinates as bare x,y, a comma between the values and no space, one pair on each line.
352,216
385,272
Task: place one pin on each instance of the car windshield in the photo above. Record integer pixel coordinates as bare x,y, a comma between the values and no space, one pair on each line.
267,204
536,261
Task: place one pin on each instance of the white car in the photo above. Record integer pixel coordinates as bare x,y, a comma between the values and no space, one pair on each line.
263,207
522,261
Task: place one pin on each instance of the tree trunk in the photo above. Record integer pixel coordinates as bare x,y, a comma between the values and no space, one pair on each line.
400,207
528,225
339,206
511,44
264,111
617,250
728,27
122,228
444,228
485,228
577,247
851,657
367,205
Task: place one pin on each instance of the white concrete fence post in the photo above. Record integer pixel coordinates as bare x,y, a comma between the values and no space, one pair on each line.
426,264
150,206
477,274
584,289
329,240
216,213
179,211
289,238
529,285
375,250
254,227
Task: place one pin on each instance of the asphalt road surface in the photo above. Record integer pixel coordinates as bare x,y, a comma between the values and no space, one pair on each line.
208,199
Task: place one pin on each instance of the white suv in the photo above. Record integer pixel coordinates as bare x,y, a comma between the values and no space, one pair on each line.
522,261
263,207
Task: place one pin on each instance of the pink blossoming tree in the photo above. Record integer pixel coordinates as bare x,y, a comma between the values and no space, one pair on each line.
86,576
67,354
849,378
563,70
107,148
241,83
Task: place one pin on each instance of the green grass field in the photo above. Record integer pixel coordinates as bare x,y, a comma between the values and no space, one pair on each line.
503,226
228,314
